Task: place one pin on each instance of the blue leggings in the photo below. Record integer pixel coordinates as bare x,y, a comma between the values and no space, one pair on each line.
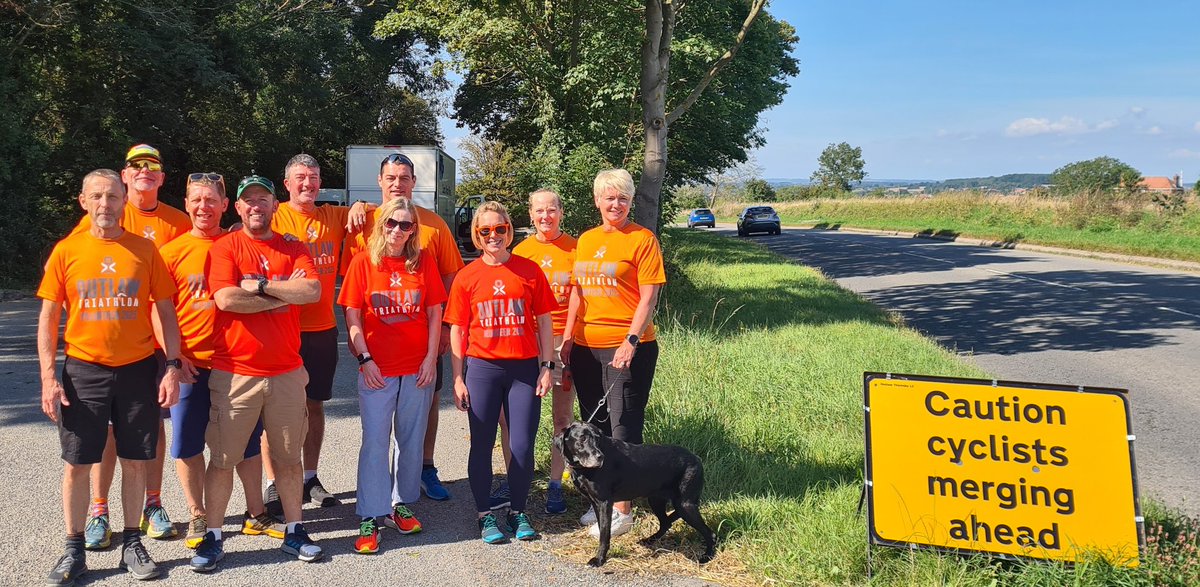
492,383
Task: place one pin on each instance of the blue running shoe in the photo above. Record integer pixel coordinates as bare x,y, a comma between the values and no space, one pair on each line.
500,498
432,486
555,504
156,524
97,535
208,553
489,529
298,544
518,522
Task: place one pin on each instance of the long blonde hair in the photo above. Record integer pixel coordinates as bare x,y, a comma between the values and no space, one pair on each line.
377,244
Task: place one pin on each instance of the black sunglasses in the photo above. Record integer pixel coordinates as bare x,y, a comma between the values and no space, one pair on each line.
396,158
405,225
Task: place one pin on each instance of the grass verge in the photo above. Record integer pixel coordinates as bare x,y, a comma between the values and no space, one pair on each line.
1076,223
760,373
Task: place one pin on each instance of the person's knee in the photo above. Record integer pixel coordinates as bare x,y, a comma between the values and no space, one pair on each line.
316,409
72,471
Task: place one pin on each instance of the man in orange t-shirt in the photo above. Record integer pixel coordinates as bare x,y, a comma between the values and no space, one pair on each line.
396,180
147,216
187,260
259,279
107,279
322,229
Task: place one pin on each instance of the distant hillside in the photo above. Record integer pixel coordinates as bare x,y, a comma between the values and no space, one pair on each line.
1003,183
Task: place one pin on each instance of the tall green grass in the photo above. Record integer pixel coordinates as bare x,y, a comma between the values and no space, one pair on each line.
760,373
1085,221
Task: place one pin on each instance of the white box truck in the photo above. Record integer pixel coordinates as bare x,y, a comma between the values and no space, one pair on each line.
435,179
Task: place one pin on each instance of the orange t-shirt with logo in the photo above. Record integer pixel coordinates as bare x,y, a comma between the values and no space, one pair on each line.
610,268
187,258
323,232
497,306
262,344
160,226
107,286
556,259
394,303
436,240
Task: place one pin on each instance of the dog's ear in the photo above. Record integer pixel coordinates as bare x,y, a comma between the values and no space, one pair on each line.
589,456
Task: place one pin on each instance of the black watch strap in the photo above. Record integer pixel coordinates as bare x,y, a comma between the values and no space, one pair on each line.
633,339
364,358
262,285
177,363
547,364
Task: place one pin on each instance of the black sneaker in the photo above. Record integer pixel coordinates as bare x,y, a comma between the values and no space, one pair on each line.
316,493
137,561
298,544
70,567
271,500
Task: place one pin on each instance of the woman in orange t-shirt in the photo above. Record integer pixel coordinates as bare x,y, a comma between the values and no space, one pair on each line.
500,328
393,295
609,340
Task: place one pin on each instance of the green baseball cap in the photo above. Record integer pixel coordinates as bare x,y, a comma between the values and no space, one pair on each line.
255,180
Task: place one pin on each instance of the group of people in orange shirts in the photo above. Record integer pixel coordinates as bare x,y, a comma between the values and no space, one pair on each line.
231,335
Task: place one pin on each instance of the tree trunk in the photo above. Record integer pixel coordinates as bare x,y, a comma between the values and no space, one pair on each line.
656,58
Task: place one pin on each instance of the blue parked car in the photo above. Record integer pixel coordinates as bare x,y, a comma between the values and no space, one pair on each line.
702,217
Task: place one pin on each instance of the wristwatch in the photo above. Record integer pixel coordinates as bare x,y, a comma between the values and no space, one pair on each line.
262,285
177,363
364,358
547,364
632,339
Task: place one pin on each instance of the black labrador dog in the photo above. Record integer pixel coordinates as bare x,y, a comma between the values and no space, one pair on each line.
607,470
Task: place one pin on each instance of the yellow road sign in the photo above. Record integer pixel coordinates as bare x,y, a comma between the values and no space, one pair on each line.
1020,469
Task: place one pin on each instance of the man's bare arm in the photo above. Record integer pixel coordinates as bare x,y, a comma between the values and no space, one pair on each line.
240,301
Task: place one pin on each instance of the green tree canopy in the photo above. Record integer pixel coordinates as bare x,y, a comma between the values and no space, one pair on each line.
758,190
839,167
1099,174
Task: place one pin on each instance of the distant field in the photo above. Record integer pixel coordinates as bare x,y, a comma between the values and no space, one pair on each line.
1133,228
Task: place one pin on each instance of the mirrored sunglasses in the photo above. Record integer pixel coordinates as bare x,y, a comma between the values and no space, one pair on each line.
145,164
486,231
404,225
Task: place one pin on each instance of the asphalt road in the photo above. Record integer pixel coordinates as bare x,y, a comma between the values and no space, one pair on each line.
447,553
1038,317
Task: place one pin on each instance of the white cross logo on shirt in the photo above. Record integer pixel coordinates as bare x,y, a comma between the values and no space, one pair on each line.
395,280
498,288
266,265
148,232
108,265
547,262
600,253
312,233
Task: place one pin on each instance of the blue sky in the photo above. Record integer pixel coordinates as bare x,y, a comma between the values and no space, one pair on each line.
937,90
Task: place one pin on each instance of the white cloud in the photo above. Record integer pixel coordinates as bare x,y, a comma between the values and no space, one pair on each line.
1154,130
1028,127
1197,127
1106,124
1137,110
1184,154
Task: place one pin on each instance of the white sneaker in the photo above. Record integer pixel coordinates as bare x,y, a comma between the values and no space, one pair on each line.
589,517
621,524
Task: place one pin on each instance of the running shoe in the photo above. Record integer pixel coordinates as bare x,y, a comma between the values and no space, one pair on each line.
555,504
68,568
368,537
197,528
520,526
156,524
271,501
97,535
621,524
432,486
209,552
263,523
489,529
316,493
500,498
588,518
402,519
298,544
137,561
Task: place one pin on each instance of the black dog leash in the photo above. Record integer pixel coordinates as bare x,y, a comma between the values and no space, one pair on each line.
604,400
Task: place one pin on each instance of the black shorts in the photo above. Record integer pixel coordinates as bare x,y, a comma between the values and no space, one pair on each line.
126,396
319,351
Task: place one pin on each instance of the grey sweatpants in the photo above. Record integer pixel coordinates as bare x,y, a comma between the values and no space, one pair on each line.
392,418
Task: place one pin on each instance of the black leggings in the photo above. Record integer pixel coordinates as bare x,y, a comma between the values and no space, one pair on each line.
624,414
492,384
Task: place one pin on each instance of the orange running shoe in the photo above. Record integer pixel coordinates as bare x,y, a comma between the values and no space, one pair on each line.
368,537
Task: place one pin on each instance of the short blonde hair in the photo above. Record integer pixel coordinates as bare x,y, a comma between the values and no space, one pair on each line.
557,198
491,206
617,179
378,241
